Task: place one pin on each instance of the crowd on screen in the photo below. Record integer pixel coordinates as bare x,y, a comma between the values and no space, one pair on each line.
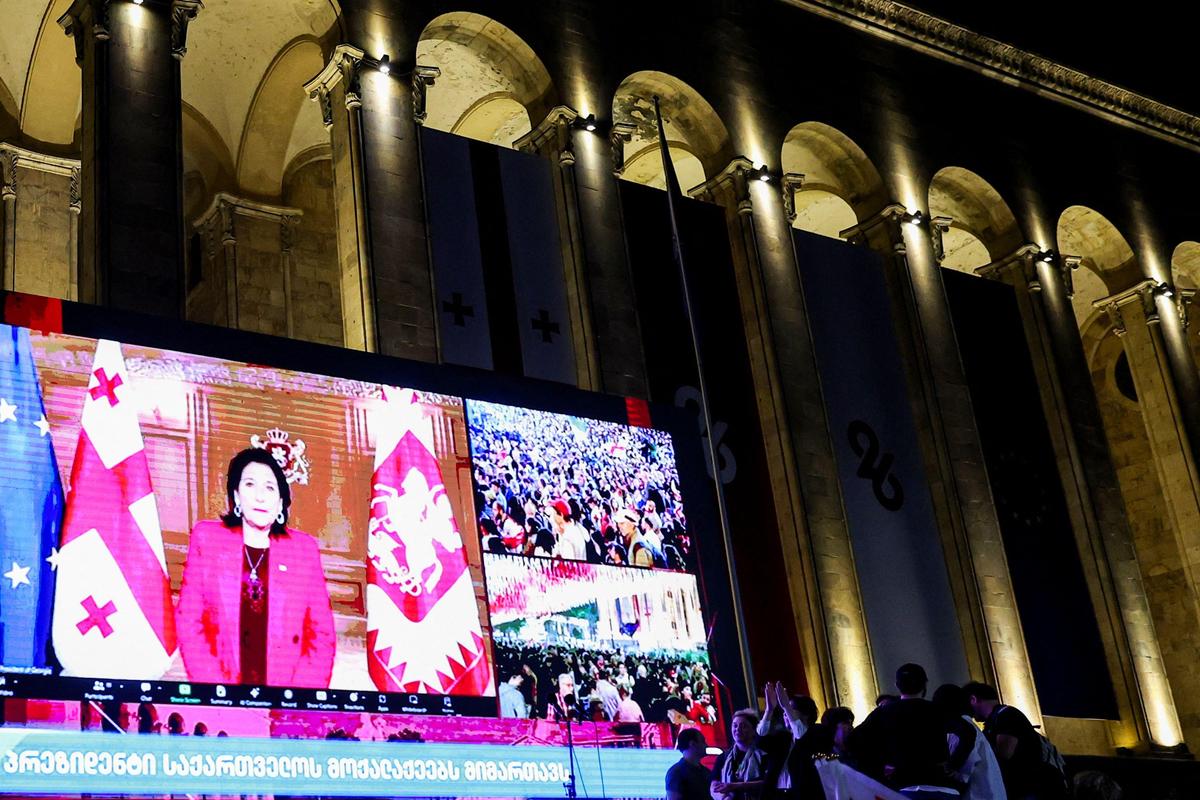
557,487
961,742
603,685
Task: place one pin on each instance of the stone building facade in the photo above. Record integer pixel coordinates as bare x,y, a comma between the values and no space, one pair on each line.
258,165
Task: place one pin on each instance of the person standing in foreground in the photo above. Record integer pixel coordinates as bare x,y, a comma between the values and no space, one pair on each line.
688,779
741,771
1018,747
903,744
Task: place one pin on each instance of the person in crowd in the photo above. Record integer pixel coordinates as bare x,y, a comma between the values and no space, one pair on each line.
638,552
512,702
628,710
200,729
741,771
903,744
570,539
884,699
175,724
253,606
788,733
688,779
1018,746
607,693
971,758
564,704
147,719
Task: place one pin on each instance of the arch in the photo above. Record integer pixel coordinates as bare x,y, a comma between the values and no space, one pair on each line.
207,165
832,164
983,228
819,211
1185,265
52,95
1087,233
277,126
697,139
9,113
235,49
1089,287
493,86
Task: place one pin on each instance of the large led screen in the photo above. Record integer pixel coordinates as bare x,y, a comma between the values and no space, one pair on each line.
192,545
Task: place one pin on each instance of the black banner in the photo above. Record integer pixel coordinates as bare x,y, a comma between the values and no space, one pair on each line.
1057,616
898,551
671,367
497,260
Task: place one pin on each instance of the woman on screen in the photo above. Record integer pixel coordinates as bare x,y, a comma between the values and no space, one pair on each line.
253,608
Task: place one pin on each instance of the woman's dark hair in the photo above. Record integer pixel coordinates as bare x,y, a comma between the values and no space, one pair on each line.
255,455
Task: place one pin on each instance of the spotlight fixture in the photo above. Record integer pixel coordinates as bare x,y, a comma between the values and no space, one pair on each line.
914,218
1165,290
587,123
385,64
138,2
764,174
1046,257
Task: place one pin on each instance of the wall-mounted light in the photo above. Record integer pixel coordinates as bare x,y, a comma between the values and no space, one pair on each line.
914,218
1046,257
385,64
138,2
587,123
1165,290
760,173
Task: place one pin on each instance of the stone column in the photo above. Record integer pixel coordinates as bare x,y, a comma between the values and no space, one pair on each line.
553,138
826,606
1106,541
8,191
962,497
76,207
131,195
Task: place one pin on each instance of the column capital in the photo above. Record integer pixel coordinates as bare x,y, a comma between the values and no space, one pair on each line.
84,17
619,135
732,181
1138,299
182,12
1021,261
343,67
422,78
791,183
891,216
13,157
553,132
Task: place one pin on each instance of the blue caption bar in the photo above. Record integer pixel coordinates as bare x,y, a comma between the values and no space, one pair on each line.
47,761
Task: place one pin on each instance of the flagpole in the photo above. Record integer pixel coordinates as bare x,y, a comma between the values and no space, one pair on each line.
673,189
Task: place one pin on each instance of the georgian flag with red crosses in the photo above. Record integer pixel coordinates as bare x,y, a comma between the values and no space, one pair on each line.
112,609
423,630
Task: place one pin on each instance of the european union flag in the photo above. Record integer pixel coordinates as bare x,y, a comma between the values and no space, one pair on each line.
31,509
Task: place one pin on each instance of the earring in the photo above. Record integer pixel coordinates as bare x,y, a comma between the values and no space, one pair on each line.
279,517
237,509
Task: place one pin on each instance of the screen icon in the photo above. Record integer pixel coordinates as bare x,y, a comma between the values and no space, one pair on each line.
354,697
446,702
413,699
383,699
185,689
287,694
3,680
254,692
220,691
145,687
322,696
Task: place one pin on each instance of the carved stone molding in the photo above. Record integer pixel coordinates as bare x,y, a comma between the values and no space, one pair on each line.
893,215
422,79
84,17
182,13
75,192
1069,265
995,59
1183,299
792,182
1023,259
938,226
1141,296
343,67
620,135
13,157
734,180
553,132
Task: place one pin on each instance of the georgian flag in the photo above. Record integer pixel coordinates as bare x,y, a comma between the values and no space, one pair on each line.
112,610
423,631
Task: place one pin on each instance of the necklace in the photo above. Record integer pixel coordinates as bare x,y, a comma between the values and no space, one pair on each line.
255,565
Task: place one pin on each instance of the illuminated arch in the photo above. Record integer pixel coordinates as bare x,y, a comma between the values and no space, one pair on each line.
492,87
841,186
697,140
983,228
52,93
